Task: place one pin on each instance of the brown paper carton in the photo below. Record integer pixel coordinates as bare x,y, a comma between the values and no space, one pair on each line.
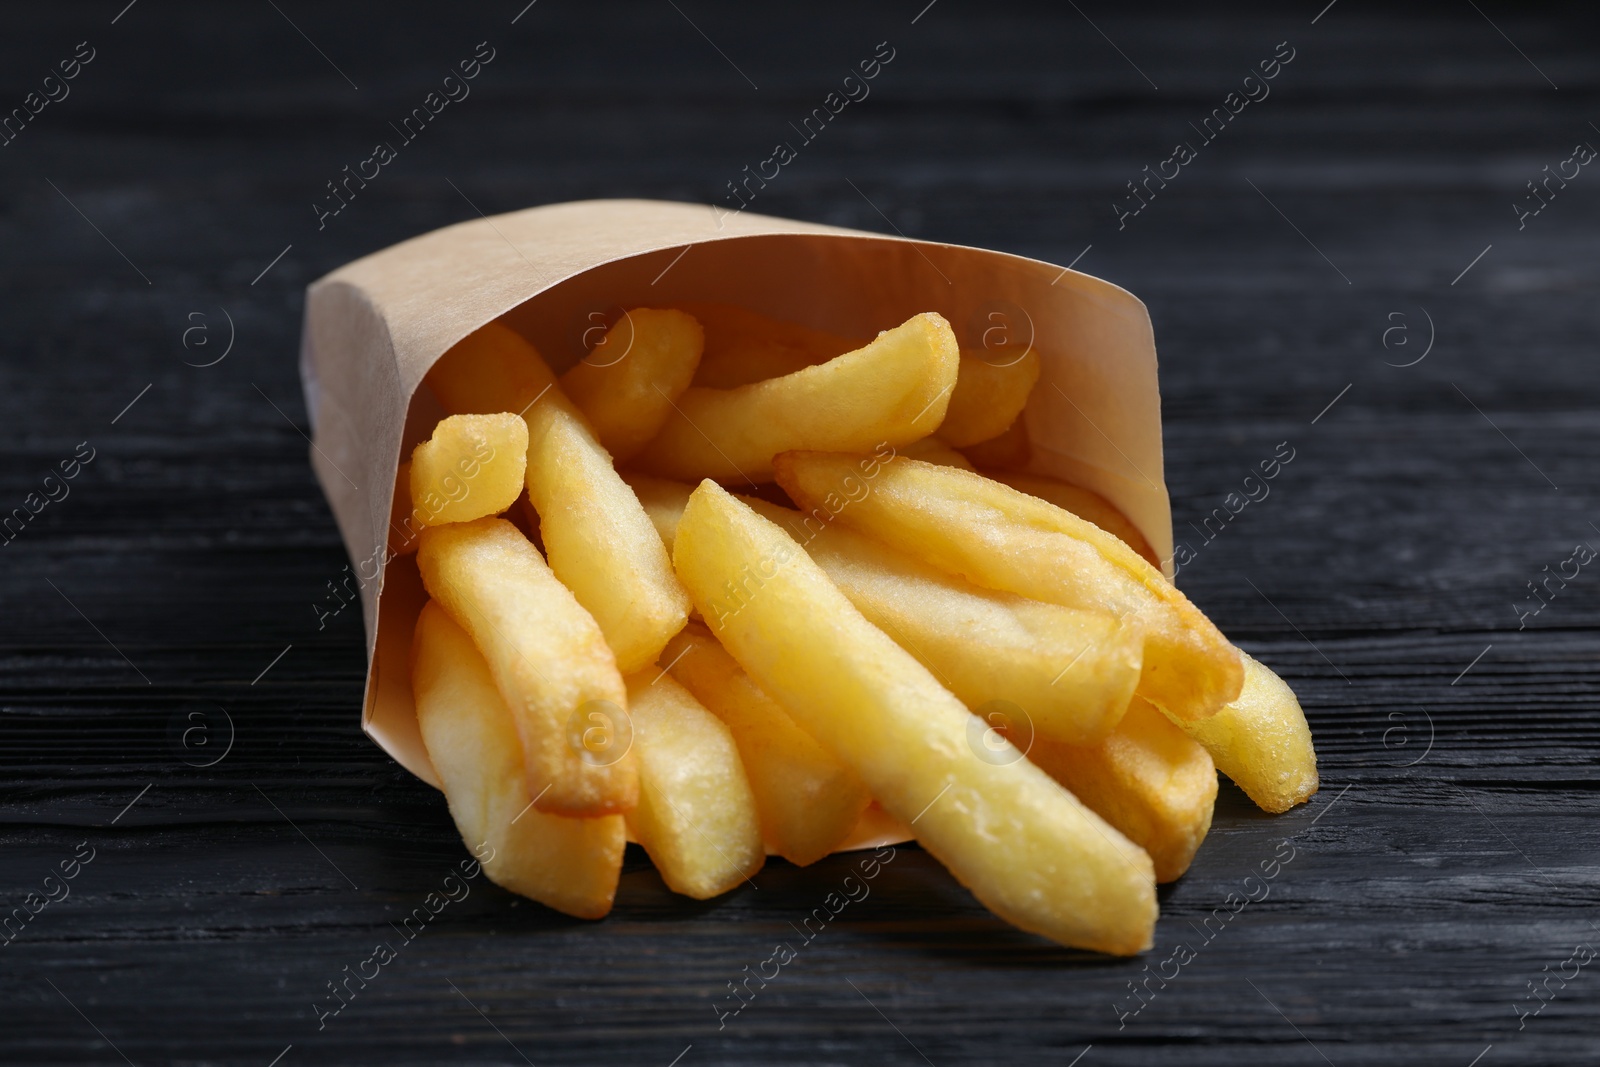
557,274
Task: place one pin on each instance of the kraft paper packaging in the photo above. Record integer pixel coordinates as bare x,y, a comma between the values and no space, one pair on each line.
559,274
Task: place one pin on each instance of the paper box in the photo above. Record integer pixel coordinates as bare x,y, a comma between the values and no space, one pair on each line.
557,274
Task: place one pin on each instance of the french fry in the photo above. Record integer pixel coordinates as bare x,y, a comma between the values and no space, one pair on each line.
1084,503
998,537
601,544
545,653
1007,450
663,500
1262,741
492,369
571,865
933,450
1070,672
1025,847
808,801
991,390
1148,779
696,815
894,390
744,346
627,385
472,466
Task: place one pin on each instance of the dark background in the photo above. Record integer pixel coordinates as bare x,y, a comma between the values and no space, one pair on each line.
1450,858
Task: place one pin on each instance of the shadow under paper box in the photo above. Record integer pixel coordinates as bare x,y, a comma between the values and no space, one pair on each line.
559,274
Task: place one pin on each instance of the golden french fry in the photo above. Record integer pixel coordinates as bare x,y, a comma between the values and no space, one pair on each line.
1007,450
472,466
696,815
894,390
600,542
571,865
1262,741
492,369
663,500
1025,847
991,390
547,656
627,385
1147,779
1084,503
1070,673
808,801
998,537
744,346
933,450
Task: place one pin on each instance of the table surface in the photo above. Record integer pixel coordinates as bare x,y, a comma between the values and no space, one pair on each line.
1344,268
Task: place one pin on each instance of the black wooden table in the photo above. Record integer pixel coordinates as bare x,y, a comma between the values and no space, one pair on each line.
1353,264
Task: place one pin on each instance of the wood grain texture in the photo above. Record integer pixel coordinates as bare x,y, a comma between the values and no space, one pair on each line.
1451,857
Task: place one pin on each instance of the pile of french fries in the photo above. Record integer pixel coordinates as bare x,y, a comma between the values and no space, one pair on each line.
763,579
